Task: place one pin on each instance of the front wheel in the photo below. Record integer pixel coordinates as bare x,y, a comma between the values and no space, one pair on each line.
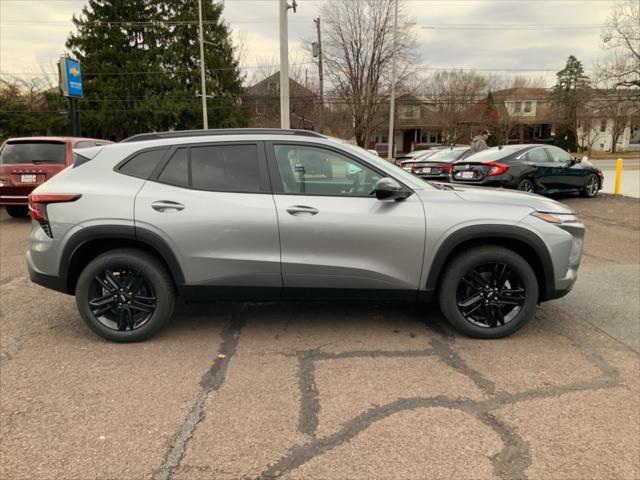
125,295
488,292
590,188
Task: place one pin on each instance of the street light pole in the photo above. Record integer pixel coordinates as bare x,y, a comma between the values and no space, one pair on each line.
392,104
317,20
205,120
284,66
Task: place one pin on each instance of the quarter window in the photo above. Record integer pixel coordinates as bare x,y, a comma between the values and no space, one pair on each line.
317,171
176,171
143,164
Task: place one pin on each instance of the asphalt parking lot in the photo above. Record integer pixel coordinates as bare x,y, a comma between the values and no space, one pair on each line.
329,391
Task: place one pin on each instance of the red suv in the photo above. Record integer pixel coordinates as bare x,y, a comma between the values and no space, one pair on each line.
28,162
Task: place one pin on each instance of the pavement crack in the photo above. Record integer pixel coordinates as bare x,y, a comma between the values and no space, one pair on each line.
212,380
514,458
309,397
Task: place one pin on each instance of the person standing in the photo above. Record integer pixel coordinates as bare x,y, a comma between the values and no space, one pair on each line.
479,142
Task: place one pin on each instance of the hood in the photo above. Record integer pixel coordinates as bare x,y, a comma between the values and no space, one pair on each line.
501,197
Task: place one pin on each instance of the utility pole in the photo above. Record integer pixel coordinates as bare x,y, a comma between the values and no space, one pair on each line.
317,22
392,104
205,120
284,63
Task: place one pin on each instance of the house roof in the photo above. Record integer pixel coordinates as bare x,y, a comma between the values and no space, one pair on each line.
262,88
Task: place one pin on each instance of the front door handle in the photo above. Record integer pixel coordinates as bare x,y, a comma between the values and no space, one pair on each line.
167,206
301,209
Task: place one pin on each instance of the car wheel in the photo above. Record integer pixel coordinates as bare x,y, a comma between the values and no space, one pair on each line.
488,292
590,188
526,185
18,211
125,295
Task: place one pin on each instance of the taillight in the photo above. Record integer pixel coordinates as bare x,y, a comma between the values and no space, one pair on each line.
496,168
38,207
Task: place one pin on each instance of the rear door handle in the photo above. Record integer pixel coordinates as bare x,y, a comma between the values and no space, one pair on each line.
167,206
300,209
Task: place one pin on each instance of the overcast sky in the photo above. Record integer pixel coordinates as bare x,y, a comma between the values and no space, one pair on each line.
471,34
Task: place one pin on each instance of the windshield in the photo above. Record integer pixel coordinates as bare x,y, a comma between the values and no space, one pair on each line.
492,154
447,155
32,152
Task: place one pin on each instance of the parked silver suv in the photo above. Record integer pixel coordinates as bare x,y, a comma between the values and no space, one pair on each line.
235,214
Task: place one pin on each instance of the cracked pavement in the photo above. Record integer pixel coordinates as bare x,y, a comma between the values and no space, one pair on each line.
338,391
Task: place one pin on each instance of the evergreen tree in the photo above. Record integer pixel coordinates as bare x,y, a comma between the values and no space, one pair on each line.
182,58
570,89
492,120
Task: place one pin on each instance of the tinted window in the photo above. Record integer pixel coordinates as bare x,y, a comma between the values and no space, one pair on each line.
33,152
559,156
493,154
176,171
143,163
537,155
318,171
225,167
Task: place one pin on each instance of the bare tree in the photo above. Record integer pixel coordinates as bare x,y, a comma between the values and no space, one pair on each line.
357,51
621,34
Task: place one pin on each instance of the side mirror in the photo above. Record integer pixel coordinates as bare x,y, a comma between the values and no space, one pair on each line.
389,189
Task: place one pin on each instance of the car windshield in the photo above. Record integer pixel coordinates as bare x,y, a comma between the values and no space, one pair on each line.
447,155
32,152
493,154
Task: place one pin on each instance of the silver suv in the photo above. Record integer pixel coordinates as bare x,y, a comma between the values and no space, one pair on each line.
237,214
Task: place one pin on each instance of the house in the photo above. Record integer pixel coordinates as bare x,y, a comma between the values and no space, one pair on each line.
525,115
262,104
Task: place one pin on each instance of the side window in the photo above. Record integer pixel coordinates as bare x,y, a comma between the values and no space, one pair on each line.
176,171
537,155
143,164
558,156
226,168
318,171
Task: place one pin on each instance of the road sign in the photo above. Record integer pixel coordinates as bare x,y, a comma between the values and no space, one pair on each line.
70,77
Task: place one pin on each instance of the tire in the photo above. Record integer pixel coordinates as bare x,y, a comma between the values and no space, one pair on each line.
152,303
455,289
526,185
18,211
590,187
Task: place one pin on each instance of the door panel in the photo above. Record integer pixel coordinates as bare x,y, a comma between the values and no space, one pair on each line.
566,176
334,233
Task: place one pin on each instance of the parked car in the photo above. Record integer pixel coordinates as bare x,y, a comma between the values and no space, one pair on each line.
223,214
27,162
438,165
530,168
409,156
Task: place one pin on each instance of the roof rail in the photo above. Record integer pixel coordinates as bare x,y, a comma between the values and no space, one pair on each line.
219,131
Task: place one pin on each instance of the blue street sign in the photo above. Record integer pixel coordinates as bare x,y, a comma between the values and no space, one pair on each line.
74,77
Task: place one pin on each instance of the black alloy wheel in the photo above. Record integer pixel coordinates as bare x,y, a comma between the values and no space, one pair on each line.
490,295
122,298
125,295
488,292
526,185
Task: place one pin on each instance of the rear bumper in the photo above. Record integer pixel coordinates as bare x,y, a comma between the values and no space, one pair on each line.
53,282
16,195
14,200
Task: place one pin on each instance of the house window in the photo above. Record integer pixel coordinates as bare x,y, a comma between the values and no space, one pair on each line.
381,138
517,106
527,107
603,126
407,112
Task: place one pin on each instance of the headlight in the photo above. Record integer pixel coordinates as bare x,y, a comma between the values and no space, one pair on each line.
557,218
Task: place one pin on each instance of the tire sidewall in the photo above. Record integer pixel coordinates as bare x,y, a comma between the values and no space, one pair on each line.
475,258
153,272
523,181
589,178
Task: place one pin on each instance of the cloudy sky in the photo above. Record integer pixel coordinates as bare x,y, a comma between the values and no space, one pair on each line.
472,34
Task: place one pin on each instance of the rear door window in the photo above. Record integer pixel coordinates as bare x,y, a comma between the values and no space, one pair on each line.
225,168
18,152
143,164
176,171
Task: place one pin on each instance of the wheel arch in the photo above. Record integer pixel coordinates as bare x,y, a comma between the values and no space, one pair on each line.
522,241
88,243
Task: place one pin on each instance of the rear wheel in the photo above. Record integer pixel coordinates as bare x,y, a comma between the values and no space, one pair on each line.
488,292
526,185
591,185
18,211
125,295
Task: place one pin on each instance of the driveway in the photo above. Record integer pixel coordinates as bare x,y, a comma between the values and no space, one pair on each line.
329,390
